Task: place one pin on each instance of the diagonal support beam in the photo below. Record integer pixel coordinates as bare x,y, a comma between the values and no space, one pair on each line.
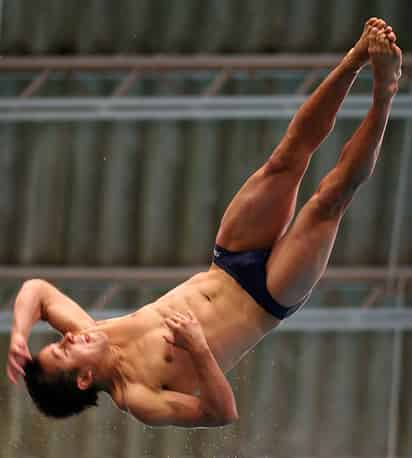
372,297
124,86
216,85
35,85
310,79
107,296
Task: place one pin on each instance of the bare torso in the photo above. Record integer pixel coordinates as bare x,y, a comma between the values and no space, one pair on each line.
231,320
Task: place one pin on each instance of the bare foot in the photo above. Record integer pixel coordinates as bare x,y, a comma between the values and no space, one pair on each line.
359,55
386,59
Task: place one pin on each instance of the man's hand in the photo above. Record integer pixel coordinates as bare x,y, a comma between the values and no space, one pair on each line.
187,332
19,354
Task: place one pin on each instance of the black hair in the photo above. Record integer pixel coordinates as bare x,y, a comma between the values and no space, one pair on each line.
57,395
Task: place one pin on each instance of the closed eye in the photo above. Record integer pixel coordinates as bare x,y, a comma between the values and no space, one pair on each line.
56,353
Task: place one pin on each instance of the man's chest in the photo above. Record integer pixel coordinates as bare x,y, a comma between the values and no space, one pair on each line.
158,364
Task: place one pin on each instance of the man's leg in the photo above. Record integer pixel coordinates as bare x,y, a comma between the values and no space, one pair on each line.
298,261
263,208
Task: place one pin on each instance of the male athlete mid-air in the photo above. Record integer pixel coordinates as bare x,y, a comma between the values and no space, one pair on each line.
165,363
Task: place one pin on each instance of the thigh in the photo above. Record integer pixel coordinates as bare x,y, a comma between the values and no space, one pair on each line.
262,210
299,259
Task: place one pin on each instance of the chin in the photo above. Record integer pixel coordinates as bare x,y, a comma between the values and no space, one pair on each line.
96,337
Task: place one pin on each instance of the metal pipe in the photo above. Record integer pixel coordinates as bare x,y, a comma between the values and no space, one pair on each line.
126,84
34,86
394,404
393,261
174,62
394,250
337,319
1,18
216,85
156,275
176,108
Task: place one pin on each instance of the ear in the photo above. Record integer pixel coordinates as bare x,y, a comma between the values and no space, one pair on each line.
85,379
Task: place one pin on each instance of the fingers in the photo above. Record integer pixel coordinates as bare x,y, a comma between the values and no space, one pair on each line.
189,315
16,366
12,377
179,320
22,352
179,317
172,323
14,371
169,340
22,355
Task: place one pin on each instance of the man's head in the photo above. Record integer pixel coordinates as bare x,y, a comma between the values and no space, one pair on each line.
63,379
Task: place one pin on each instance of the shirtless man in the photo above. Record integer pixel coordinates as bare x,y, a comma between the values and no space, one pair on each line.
165,363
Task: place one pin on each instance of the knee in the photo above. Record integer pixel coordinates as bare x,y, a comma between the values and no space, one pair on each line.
285,162
335,193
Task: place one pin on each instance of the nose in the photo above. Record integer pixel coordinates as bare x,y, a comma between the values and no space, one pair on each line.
69,337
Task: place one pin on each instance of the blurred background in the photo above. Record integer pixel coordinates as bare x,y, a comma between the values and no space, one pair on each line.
126,127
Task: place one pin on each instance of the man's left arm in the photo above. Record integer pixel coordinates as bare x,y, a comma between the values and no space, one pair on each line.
215,390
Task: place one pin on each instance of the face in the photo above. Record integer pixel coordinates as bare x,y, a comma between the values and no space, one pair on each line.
78,351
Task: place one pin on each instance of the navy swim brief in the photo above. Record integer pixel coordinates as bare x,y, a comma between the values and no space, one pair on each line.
248,268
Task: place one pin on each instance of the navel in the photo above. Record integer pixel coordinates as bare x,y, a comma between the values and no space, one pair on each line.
169,358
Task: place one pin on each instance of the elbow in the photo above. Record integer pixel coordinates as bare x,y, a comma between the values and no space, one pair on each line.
226,418
33,283
233,417
33,290
230,421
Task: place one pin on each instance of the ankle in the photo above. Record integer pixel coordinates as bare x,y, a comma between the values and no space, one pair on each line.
352,63
385,91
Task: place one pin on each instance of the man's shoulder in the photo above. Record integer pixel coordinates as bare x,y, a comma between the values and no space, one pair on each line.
122,395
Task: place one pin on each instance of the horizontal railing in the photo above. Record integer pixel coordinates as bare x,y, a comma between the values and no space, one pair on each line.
176,108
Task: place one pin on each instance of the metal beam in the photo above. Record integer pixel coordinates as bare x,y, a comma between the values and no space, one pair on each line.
395,394
106,296
176,62
401,196
308,82
126,84
177,108
307,320
216,85
34,86
372,297
156,275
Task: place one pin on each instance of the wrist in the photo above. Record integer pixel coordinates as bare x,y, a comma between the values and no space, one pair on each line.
18,331
200,349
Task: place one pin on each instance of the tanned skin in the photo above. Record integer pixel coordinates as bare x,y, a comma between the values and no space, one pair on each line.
165,363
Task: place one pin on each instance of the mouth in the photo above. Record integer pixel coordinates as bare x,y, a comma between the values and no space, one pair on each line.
84,339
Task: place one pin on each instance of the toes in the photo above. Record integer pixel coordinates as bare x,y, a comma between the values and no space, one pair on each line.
381,24
373,41
383,41
391,36
395,49
376,22
372,21
374,33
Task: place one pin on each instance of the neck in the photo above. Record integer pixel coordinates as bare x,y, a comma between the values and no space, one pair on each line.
107,372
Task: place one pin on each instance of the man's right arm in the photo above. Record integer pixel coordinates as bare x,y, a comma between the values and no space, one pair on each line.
39,300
